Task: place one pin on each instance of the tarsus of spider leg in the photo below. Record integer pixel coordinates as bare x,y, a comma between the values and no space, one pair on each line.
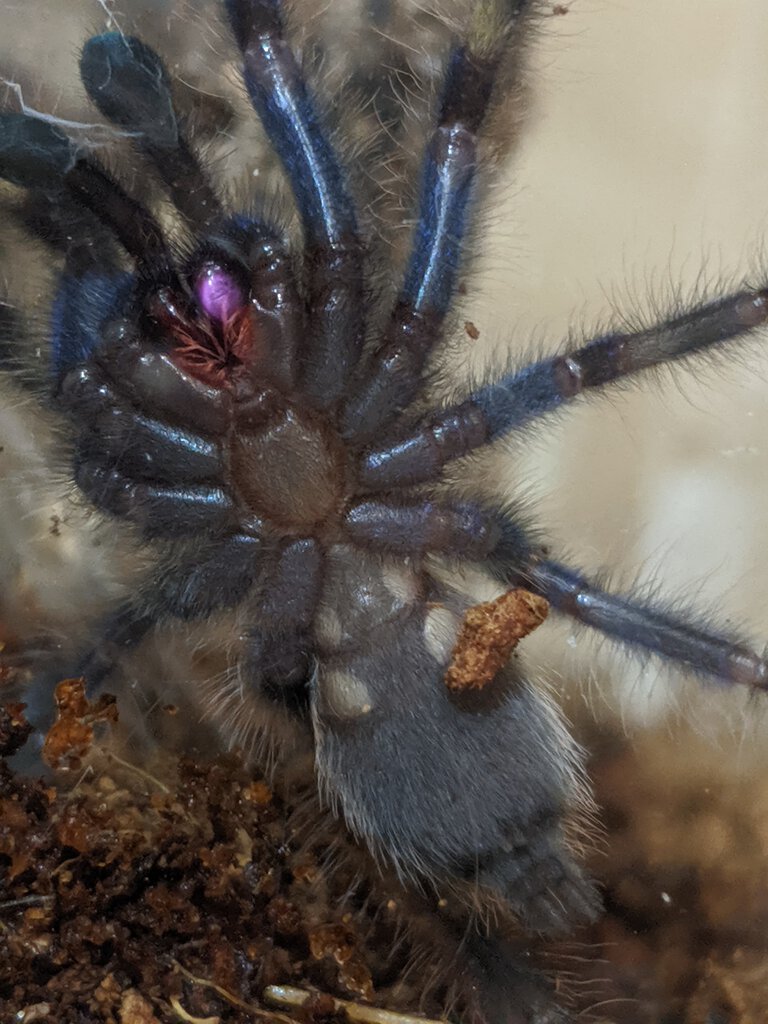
119,632
35,154
393,376
129,84
500,407
334,252
518,561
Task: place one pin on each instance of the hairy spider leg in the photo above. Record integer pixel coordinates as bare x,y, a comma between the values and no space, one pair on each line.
120,436
280,649
333,250
129,84
133,225
158,511
214,575
636,623
141,481
35,155
78,311
518,560
160,475
393,376
88,246
519,397
418,526
468,530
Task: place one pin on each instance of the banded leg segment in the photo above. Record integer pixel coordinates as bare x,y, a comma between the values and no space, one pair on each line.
393,376
159,511
708,651
518,398
542,387
149,380
333,250
638,624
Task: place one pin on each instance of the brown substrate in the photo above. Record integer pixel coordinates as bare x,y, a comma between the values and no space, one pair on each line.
684,939
177,891
180,890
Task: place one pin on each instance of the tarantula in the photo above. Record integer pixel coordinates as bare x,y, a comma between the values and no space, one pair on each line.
250,412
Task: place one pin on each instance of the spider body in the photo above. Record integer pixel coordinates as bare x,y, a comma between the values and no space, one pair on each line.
241,406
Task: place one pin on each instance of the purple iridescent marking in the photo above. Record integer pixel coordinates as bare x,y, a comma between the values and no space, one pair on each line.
219,295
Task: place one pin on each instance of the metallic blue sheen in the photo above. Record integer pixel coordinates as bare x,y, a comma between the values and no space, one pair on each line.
181,439
280,98
519,397
81,306
213,497
446,188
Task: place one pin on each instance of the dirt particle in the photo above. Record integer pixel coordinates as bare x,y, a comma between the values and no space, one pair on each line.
489,633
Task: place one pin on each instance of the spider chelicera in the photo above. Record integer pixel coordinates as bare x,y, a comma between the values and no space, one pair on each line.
252,414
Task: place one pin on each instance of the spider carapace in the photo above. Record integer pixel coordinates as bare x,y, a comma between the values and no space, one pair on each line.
247,406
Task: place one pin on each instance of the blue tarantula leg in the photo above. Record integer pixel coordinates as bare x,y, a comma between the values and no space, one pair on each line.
214,577
394,375
421,454
280,647
34,154
541,387
209,579
518,561
639,624
152,380
129,84
334,256
117,435
412,528
510,403
158,511
150,450
83,302
132,224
